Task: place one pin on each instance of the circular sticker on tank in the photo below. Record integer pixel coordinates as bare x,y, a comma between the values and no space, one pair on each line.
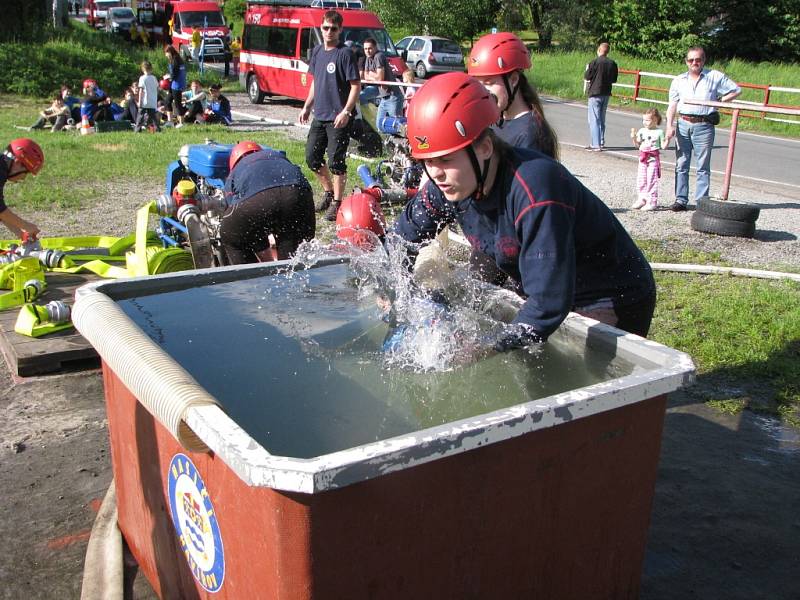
196,523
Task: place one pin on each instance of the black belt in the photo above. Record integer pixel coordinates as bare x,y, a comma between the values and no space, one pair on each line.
696,118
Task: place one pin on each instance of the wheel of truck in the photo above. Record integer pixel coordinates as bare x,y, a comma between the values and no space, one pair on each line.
420,70
185,54
719,226
253,91
728,209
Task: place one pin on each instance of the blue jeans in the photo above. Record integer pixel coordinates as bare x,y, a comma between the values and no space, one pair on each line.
697,138
597,120
391,106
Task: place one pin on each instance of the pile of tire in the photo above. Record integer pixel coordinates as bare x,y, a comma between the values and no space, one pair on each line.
725,217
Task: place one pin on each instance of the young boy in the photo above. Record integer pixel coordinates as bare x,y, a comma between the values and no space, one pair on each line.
21,156
148,98
219,107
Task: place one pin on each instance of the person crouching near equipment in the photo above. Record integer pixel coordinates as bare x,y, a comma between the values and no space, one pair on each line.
266,195
21,156
554,238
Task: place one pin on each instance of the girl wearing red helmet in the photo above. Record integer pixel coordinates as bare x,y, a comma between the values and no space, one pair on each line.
21,156
541,227
499,62
266,194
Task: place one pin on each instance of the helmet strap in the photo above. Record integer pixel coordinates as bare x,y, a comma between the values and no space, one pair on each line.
480,174
511,93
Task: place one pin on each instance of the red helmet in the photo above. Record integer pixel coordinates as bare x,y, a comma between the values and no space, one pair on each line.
359,214
497,54
241,150
88,82
164,84
28,153
448,113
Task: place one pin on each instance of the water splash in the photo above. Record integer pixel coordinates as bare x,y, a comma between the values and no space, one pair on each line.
439,317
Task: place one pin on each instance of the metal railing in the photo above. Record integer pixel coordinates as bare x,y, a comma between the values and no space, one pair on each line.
638,87
735,107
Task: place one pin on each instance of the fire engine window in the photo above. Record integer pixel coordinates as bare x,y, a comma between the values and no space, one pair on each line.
308,39
274,40
282,41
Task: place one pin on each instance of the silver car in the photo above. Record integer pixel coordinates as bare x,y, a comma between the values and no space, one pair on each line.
428,54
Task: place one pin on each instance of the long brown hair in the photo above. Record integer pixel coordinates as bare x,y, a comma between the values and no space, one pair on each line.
546,141
174,58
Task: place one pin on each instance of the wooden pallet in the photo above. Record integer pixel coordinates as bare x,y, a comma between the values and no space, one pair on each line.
65,350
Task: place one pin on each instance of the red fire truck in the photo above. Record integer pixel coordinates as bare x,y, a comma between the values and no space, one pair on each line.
279,35
186,15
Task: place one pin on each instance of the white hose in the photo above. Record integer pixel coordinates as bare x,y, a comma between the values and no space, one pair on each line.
712,270
103,570
130,353
680,268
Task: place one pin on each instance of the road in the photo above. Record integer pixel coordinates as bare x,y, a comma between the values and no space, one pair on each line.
760,158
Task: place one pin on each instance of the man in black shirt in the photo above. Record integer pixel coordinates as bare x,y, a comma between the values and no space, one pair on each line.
333,95
600,74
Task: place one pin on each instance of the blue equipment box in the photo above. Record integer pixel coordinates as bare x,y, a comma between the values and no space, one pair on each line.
210,160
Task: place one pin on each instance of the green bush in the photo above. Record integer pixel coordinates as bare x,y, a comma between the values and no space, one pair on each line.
71,55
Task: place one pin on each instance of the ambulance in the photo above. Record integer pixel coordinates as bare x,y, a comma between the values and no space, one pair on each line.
279,35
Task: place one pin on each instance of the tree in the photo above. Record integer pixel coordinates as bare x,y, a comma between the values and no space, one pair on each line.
459,21
660,29
234,11
755,30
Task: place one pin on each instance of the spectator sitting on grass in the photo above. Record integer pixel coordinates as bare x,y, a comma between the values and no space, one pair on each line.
219,107
195,101
130,106
73,103
56,115
95,104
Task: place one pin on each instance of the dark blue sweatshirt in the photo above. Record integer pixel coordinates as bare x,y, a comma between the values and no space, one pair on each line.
548,232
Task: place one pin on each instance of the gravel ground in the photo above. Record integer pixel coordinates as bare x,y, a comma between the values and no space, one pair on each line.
611,176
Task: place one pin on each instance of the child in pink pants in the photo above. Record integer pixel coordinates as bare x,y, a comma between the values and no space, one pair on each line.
650,140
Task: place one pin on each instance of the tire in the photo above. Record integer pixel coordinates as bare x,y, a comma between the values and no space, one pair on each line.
718,226
185,54
728,209
254,92
420,70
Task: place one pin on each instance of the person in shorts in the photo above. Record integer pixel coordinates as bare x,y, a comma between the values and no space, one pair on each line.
333,95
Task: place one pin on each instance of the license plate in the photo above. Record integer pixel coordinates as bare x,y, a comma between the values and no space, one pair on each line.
451,59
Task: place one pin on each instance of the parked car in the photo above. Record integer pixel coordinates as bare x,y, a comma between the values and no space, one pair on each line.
119,19
427,54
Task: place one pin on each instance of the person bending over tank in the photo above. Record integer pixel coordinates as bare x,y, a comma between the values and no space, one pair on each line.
554,238
266,194
21,156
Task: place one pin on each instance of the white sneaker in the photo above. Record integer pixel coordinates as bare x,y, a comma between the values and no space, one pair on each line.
650,207
638,204
179,125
